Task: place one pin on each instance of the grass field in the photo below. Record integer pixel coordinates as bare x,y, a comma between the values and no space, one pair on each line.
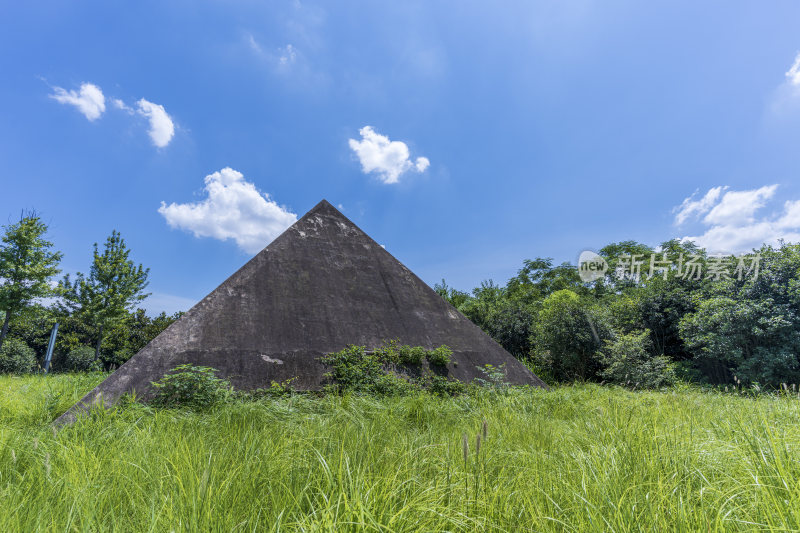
582,458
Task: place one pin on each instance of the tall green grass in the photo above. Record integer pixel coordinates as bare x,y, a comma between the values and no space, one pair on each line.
583,458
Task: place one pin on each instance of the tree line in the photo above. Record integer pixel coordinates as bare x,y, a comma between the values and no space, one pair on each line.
100,325
696,317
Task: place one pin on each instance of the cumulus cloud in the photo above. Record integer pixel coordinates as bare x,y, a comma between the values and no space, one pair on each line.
161,127
88,99
234,209
388,159
733,221
738,208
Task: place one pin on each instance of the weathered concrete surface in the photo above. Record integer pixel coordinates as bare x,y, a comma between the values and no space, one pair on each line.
321,285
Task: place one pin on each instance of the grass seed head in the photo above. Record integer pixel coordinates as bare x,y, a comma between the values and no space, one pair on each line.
465,446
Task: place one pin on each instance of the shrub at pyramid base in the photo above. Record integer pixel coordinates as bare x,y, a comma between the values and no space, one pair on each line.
321,285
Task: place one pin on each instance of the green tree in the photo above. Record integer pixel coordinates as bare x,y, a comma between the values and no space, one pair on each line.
568,333
538,279
749,328
482,303
628,360
455,297
27,264
112,288
128,336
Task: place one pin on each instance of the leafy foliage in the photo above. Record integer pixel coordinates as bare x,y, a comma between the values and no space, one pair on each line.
195,387
276,389
494,377
750,328
16,357
713,330
26,266
628,360
439,356
114,285
80,359
567,335
381,372
411,355
443,385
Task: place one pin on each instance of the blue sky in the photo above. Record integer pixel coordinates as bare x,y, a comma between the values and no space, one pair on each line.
464,136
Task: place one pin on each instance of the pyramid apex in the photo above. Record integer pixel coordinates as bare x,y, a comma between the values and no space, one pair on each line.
322,207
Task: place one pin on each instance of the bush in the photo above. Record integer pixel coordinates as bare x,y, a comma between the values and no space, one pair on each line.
355,369
440,356
195,387
276,389
16,357
390,384
628,361
401,354
80,359
412,355
443,386
494,377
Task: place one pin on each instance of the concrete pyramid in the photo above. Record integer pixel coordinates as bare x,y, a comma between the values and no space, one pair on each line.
321,285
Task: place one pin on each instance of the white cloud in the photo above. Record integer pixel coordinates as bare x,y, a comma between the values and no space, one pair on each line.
388,159
89,99
793,74
738,207
161,127
119,104
784,103
731,224
690,206
234,209
421,164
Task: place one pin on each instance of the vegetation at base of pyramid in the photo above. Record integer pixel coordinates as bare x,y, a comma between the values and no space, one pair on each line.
390,369
393,369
